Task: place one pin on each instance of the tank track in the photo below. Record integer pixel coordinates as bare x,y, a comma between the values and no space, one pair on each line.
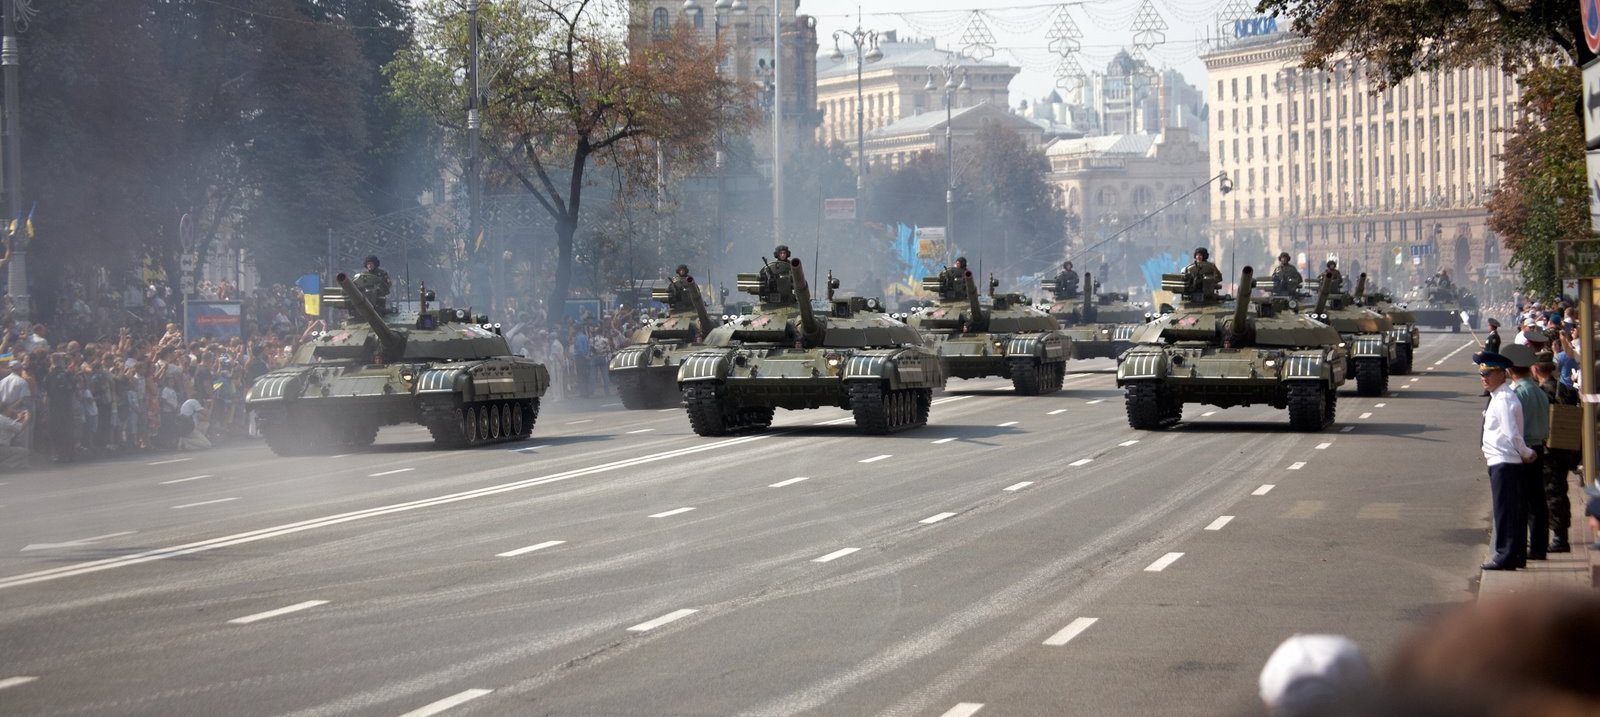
1031,377
1402,361
1311,405
709,415
306,435
1149,407
880,411
454,425
1372,376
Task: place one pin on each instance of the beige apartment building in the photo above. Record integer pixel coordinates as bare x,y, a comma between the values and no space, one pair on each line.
1323,167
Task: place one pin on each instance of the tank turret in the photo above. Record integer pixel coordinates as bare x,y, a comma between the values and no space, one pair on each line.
646,371
393,344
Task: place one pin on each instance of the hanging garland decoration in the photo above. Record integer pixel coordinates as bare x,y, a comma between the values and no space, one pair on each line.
977,41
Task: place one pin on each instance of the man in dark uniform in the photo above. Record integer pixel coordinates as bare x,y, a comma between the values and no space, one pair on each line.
1333,277
1491,344
374,282
1067,282
1198,271
953,280
678,289
775,284
1285,278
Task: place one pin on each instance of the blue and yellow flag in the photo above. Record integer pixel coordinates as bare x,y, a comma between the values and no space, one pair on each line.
311,286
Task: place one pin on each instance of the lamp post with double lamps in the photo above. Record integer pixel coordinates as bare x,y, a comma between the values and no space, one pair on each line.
866,44
955,79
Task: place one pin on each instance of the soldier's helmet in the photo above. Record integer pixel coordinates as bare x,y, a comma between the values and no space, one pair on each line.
1283,256
780,251
682,270
371,260
1067,265
961,262
1332,264
1201,252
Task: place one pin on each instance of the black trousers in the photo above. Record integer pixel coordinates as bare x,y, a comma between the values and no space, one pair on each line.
1510,515
1558,463
1533,503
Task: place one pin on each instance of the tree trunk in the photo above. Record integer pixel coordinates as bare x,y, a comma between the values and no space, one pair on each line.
561,283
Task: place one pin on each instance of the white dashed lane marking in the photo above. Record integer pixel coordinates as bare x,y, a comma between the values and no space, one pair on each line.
1098,400
964,709
18,680
642,430
664,619
1368,414
529,549
791,481
1297,465
1347,429
1379,405
203,502
1220,522
185,480
1057,412
297,607
1163,562
1125,444
1323,446
389,473
168,461
1073,629
1014,487
674,511
935,518
1081,462
875,459
586,420
433,708
1208,413
1006,424
1264,489
835,555
943,440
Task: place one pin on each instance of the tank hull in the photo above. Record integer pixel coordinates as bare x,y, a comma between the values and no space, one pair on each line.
1101,341
1035,362
1159,380
646,376
1445,317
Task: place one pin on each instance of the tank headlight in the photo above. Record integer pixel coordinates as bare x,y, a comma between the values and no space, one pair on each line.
872,303
1271,362
998,344
407,376
497,325
1341,344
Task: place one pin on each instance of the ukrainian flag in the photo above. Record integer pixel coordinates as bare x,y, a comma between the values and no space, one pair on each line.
311,286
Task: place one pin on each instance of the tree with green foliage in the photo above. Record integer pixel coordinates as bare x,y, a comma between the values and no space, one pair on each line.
1543,197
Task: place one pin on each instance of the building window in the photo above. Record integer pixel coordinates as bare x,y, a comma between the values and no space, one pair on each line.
761,27
1222,154
660,23
697,17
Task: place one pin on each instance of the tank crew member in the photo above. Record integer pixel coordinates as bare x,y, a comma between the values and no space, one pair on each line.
953,280
678,289
1505,452
374,282
1333,277
1199,271
1067,282
776,288
1285,278
1442,279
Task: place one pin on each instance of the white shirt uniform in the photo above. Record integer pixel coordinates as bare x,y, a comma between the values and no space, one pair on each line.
1502,428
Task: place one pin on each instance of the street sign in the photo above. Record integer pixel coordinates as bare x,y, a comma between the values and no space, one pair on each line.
1591,102
839,209
1591,23
930,242
1419,250
1578,259
1491,270
186,262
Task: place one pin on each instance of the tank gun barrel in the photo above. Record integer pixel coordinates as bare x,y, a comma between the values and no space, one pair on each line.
1361,286
809,326
1322,292
699,307
1241,310
1089,308
974,304
393,343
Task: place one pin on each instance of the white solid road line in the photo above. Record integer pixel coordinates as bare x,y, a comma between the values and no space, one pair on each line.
791,481
1056,412
835,555
664,619
1265,487
94,566
642,430
203,502
1208,413
297,607
586,420
948,399
875,459
1323,446
1073,629
836,421
1163,562
81,542
943,440
1368,414
169,460
18,680
433,708
525,450
1098,400
674,511
1127,443
1081,462
1014,487
1007,423
1297,465
935,518
610,405
1219,522
964,709
529,549
185,480
389,473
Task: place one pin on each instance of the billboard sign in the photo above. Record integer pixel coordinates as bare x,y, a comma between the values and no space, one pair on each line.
839,209
213,319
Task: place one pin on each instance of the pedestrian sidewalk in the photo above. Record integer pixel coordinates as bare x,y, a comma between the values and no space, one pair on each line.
1577,570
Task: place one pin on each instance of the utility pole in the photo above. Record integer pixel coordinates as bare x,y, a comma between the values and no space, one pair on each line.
10,63
474,129
777,122
866,44
952,72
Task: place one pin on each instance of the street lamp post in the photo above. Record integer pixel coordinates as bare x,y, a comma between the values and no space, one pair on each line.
10,63
951,71
862,40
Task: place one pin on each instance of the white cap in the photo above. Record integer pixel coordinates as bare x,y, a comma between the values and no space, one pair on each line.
1307,671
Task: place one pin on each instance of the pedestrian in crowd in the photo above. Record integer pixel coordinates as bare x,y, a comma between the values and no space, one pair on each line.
1535,405
1506,453
13,456
1491,341
1557,463
16,398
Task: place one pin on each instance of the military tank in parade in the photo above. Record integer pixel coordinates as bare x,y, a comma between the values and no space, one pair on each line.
1442,304
795,353
995,335
1367,336
1216,350
1100,324
445,368
1407,336
646,371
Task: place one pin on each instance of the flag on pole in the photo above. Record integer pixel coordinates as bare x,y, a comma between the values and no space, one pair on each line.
311,286
28,224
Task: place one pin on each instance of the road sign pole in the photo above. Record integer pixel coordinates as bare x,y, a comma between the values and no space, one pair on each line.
1587,375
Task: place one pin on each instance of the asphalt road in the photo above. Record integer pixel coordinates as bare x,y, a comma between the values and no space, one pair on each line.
1018,556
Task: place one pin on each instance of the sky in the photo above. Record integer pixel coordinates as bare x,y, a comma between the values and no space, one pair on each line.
1021,28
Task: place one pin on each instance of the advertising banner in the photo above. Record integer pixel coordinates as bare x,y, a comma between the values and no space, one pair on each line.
212,319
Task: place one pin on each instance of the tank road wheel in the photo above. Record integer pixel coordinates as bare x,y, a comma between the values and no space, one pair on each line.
496,428
1025,378
1402,360
1147,409
757,419
481,424
1311,406
286,437
707,415
506,424
1372,378
359,435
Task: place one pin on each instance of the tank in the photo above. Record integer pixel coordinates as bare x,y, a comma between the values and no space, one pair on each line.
646,371
1407,336
995,335
1443,306
1221,352
441,367
793,353
1100,324
1367,335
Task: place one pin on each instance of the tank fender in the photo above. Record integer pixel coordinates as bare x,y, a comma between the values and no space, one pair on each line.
1140,364
278,386
1047,347
1369,345
1306,364
499,378
901,368
442,379
629,358
712,365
